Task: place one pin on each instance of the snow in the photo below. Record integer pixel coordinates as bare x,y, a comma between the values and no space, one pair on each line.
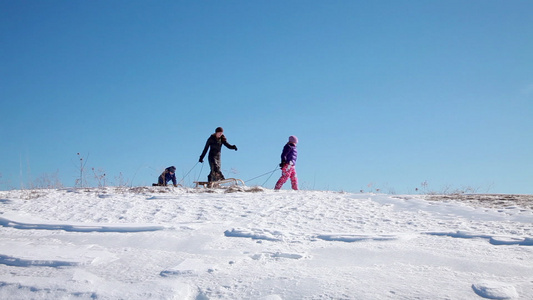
255,243
495,290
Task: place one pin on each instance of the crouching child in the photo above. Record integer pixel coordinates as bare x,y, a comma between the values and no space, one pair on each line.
168,175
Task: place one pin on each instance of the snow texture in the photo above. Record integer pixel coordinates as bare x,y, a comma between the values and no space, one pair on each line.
495,290
251,243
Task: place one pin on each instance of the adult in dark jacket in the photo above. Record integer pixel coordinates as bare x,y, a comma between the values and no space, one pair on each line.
168,175
214,144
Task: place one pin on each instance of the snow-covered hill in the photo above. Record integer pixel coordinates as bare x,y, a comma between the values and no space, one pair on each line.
166,243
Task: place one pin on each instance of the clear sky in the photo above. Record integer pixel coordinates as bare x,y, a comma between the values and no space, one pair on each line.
381,94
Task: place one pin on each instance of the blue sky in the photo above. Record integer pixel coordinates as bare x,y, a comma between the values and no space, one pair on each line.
381,94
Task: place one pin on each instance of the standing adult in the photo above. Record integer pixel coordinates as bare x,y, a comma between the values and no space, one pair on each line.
214,144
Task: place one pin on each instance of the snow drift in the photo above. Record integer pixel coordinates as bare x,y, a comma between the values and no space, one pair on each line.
165,243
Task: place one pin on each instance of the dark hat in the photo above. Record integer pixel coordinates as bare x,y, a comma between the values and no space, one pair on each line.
172,169
219,129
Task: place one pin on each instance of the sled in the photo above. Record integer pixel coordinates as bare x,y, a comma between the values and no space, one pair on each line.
216,184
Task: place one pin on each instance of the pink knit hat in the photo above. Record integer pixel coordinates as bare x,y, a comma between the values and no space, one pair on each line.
293,139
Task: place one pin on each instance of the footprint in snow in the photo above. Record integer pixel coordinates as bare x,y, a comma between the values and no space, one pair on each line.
78,228
255,234
276,255
494,240
20,262
351,238
495,290
187,268
271,297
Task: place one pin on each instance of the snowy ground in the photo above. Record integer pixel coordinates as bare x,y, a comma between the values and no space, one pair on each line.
165,243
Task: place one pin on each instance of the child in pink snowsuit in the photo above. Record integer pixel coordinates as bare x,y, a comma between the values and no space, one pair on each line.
288,164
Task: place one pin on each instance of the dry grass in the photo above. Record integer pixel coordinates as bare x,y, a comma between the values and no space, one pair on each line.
488,200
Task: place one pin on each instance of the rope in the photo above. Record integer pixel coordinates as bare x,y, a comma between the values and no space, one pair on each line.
200,174
188,173
270,176
201,169
271,172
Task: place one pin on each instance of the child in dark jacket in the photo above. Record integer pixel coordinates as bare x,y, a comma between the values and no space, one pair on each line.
288,164
168,175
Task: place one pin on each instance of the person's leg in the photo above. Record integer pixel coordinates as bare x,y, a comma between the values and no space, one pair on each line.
284,176
294,179
218,170
212,173
216,173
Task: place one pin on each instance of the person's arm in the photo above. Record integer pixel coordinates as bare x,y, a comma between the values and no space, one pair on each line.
284,154
205,150
174,181
229,146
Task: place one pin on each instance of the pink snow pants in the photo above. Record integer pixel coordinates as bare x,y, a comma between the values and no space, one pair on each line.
288,171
